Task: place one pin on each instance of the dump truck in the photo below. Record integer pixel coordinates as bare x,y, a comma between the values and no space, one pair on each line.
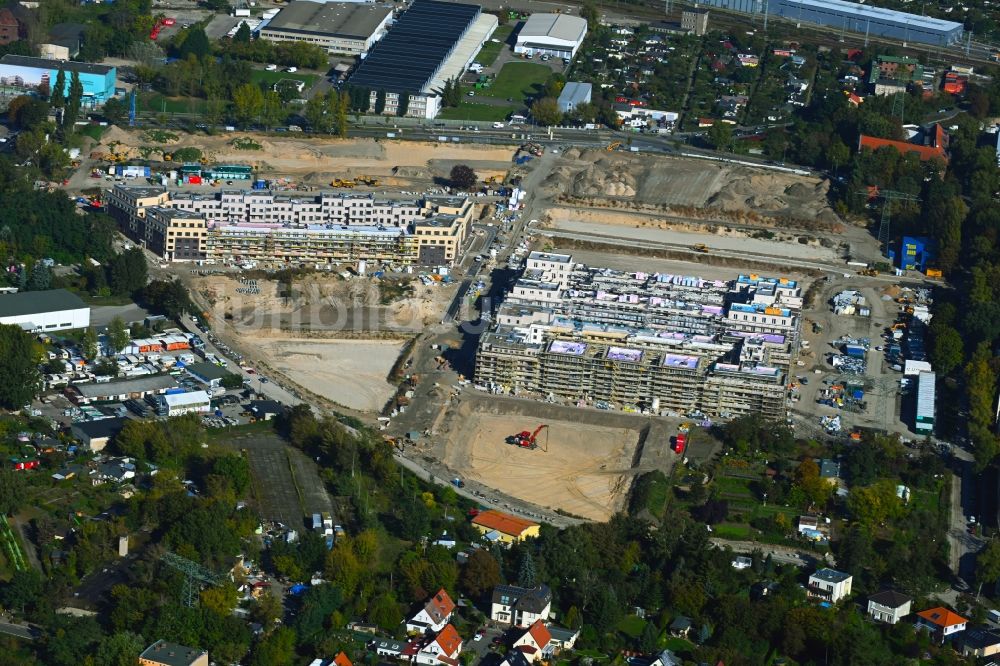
700,247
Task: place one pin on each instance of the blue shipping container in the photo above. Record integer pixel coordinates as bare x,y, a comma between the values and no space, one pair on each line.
857,351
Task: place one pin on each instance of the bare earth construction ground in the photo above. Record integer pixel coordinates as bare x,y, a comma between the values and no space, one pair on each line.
586,470
351,373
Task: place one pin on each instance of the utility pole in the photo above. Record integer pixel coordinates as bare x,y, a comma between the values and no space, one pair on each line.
193,573
887,197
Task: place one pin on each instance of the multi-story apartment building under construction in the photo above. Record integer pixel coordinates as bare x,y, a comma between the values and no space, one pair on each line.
276,229
646,341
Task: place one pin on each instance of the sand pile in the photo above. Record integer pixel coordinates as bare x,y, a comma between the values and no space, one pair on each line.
605,178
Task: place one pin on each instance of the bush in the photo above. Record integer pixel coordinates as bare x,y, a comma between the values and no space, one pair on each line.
189,154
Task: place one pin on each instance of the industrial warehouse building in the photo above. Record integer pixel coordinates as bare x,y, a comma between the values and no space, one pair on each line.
558,35
24,74
274,229
44,311
429,44
666,344
852,17
338,27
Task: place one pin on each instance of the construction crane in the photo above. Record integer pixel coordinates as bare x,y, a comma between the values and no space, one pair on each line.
194,576
887,197
529,440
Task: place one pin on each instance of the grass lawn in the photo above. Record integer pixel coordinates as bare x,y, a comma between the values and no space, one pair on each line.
518,80
631,625
157,103
95,132
678,644
488,55
483,112
735,531
270,78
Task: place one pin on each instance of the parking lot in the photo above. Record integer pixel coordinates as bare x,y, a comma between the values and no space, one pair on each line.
286,483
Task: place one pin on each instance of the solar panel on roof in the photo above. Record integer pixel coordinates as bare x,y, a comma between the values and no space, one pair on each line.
419,41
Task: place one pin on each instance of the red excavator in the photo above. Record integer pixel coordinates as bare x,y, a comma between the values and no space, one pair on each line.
526,439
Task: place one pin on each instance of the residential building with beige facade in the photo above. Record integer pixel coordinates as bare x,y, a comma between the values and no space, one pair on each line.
275,229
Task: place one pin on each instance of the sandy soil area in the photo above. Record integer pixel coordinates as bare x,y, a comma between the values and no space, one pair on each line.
585,470
668,182
322,302
625,225
348,372
317,160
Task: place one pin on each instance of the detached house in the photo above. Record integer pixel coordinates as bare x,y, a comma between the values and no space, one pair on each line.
889,606
515,658
520,606
941,622
535,642
444,649
829,585
435,614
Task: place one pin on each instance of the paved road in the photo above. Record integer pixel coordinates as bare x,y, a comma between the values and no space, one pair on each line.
963,546
782,554
27,632
268,389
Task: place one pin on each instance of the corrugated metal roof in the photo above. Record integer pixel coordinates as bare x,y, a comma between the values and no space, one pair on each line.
879,13
925,396
553,26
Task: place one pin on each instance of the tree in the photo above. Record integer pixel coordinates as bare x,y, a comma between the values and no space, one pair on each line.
57,97
128,272
546,111
526,573
89,344
480,574
168,297
462,177
315,114
277,649
273,111
649,638
11,491
591,15
195,43
243,33
948,350
117,335
981,382
343,104
403,105
720,136
384,612
875,504
18,367
988,563
379,102
119,649
248,100
40,277
115,111
73,101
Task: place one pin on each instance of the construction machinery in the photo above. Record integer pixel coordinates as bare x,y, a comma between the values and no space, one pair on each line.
700,247
367,180
529,440
868,272
340,182
614,145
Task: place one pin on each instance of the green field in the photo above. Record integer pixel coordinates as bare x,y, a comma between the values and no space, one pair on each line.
157,103
491,50
518,80
270,78
482,112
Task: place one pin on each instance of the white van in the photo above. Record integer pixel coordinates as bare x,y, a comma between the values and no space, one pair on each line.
271,68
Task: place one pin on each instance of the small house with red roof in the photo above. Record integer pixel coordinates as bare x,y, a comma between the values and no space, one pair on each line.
941,622
433,616
535,642
443,650
341,660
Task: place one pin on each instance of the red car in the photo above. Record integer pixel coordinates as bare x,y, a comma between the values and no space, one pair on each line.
680,442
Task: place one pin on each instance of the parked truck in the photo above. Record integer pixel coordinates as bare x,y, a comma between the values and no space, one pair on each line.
317,523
